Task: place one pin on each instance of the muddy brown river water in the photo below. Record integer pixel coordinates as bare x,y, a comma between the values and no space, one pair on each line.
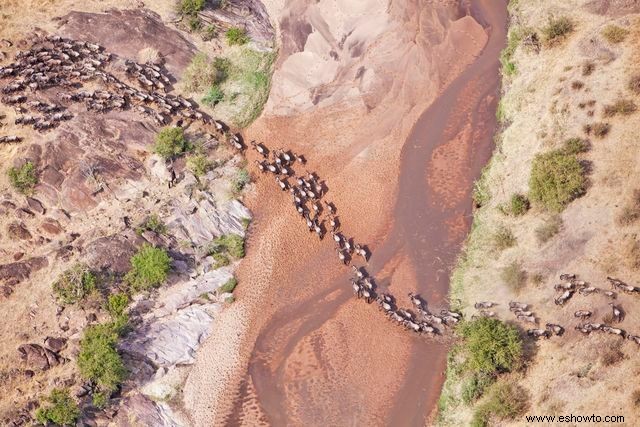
301,369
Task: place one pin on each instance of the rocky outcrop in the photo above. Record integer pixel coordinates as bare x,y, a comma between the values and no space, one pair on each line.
37,357
15,272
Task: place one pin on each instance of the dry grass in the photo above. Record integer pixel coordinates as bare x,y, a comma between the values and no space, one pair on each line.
614,34
611,356
588,68
503,239
598,129
148,55
577,85
514,276
630,214
635,398
634,84
631,253
623,107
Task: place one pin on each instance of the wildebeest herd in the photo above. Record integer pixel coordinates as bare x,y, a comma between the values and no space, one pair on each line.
566,289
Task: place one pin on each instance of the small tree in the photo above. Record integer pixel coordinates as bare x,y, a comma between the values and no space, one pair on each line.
23,178
557,178
75,284
199,164
150,266
62,410
171,142
99,360
491,346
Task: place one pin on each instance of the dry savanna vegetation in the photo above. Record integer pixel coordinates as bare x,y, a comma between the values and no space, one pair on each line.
560,195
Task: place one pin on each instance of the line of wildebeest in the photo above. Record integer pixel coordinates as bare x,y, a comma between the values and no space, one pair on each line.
56,62
566,289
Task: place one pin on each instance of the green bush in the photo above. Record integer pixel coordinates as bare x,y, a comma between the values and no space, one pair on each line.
171,142
575,146
505,401
100,400
241,179
557,29
98,359
213,96
503,239
229,286
75,284
514,276
546,231
23,178
232,244
221,260
518,205
236,36
150,266
62,409
614,34
191,7
117,304
152,223
557,178
475,385
201,74
199,164
490,345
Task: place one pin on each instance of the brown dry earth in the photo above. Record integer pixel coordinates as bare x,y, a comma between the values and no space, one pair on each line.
351,82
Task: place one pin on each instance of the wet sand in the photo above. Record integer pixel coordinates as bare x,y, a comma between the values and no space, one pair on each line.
401,175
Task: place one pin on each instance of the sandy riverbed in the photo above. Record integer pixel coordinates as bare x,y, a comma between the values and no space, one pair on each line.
297,348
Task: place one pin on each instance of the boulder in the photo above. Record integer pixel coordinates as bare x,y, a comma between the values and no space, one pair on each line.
16,272
37,357
35,205
51,226
55,344
18,231
112,252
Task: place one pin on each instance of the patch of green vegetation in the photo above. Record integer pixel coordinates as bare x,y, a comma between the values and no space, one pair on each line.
75,284
194,23
481,191
241,179
117,304
504,401
23,178
229,286
503,239
171,142
199,164
575,146
99,360
231,244
514,37
557,29
245,223
100,400
614,34
490,346
191,7
202,73
213,96
61,409
150,266
623,107
518,205
557,178
474,386
546,231
152,223
221,260
514,276
209,33
230,299
236,36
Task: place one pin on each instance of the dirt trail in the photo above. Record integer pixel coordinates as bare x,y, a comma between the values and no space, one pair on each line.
308,352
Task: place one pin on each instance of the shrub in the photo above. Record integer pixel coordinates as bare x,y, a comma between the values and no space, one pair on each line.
62,409
546,231
599,129
635,398
631,253
199,164
577,85
191,7
98,359
623,107
152,223
505,401
503,239
575,146
194,23
150,266
557,178
518,205
171,142
23,178
221,260
202,74
74,284
634,84
475,386
514,276
490,345
100,400
148,55
213,96
229,286
556,30
236,36
588,68
630,213
231,244
117,304
611,356
614,34
209,33
241,179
